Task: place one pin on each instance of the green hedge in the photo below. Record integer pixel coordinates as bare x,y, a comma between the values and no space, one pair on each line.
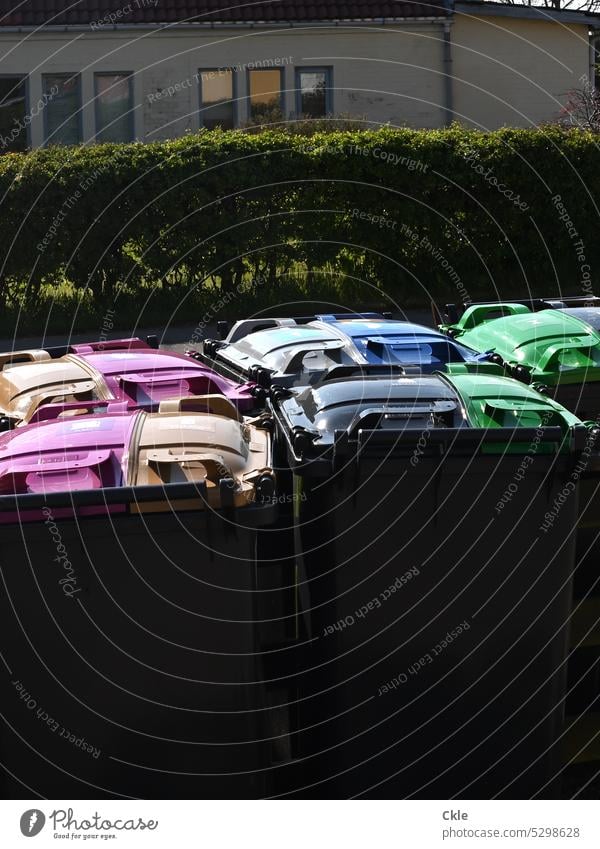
361,217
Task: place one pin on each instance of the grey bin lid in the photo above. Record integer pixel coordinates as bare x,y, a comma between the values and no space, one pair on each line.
403,402
286,350
591,315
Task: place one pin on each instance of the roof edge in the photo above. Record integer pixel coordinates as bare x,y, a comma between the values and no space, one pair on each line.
537,13
208,25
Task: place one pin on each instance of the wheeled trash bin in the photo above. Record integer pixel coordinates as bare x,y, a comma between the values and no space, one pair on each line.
435,593
140,601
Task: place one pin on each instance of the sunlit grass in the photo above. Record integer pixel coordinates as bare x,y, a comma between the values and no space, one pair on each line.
60,307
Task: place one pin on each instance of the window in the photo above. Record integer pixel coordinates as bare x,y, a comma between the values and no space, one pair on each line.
266,95
62,113
217,108
13,126
313,86
114,102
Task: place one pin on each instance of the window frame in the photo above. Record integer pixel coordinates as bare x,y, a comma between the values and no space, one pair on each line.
312,69
68,76
250,71
23,78
234,89
130,113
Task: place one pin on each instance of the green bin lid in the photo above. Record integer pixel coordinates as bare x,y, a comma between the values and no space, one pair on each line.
491,402
554,346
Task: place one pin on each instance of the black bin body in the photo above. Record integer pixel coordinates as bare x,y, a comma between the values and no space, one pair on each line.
583,399
146,677
437,621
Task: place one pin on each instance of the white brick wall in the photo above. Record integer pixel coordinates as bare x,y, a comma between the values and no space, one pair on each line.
508,71
515,72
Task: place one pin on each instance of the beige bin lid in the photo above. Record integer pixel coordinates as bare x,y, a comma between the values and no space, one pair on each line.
25,386
200,439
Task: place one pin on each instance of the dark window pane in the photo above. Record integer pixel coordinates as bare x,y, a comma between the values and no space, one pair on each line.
13,130
62,109
217,99
265,95
113,108
313,93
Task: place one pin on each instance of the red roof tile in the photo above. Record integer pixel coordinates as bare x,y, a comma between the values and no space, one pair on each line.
15,13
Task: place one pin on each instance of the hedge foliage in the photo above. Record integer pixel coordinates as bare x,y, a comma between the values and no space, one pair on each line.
366,215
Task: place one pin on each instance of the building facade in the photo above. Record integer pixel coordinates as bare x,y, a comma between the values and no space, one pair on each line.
120,70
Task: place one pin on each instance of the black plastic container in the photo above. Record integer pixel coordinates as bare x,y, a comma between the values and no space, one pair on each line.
435,603
136,646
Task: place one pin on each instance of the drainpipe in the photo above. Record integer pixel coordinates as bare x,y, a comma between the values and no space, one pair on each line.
448,82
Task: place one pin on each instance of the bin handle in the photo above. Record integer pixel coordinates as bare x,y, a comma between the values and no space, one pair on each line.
214,464
294,361
349,316
63,474
44,412
109,345
477,314
364,417
163,378
389,369
34,355
553,351
493,406
252,325
216,405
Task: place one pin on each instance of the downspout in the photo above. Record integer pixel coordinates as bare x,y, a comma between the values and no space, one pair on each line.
447,61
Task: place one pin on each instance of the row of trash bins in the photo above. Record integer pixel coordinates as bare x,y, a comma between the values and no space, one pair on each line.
324,557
